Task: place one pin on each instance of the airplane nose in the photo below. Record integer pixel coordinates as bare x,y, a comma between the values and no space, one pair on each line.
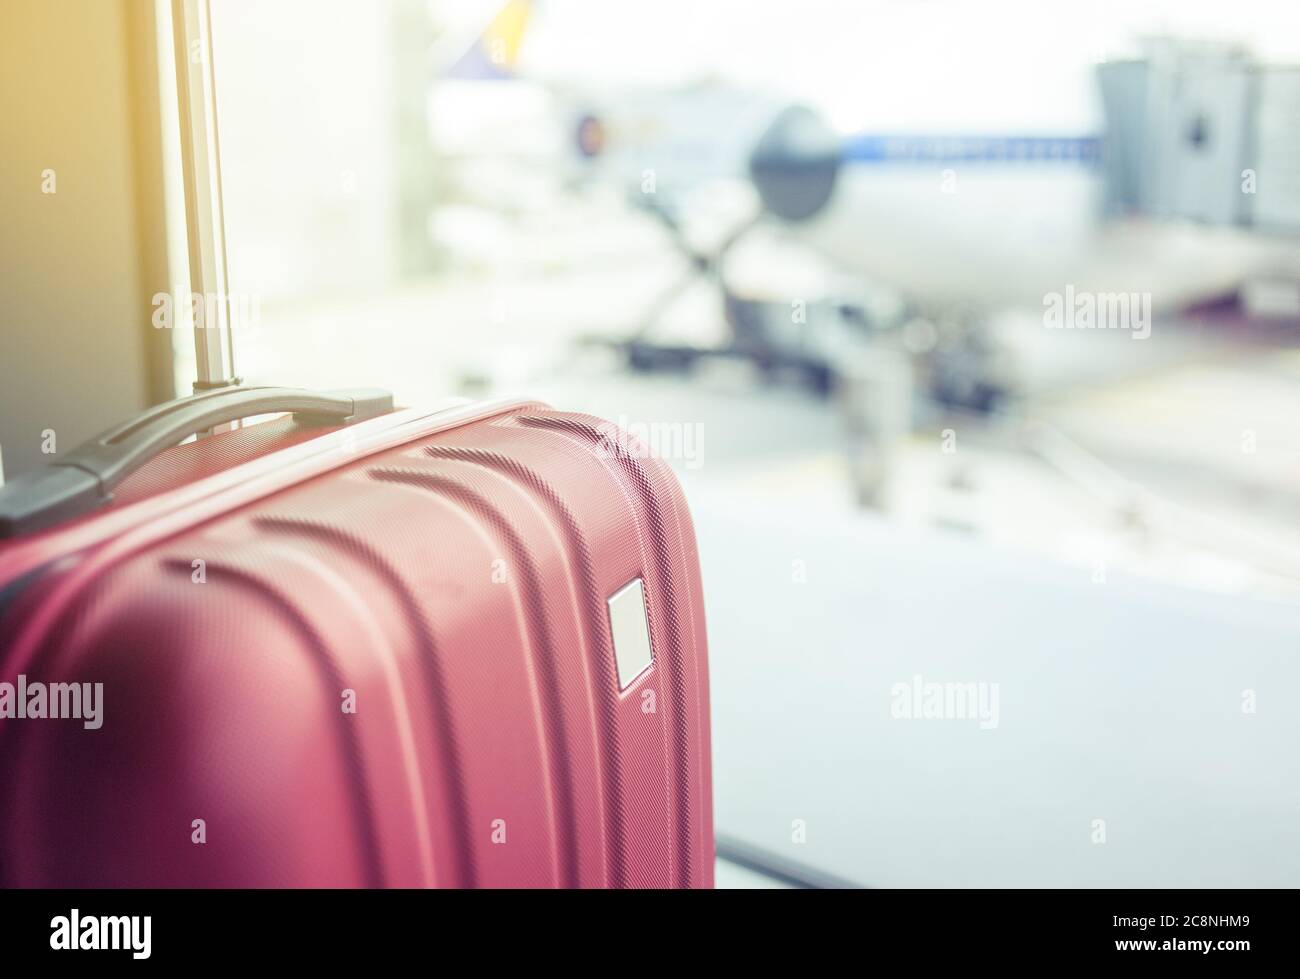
795,163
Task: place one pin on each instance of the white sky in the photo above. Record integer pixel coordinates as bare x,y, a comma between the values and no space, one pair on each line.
880,63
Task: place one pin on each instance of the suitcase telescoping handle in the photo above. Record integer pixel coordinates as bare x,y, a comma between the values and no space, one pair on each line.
84,479
196,89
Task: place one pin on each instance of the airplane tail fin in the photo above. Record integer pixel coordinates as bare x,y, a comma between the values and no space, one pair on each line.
495,52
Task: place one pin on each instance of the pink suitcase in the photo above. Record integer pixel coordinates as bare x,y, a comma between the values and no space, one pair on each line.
376,655
351,646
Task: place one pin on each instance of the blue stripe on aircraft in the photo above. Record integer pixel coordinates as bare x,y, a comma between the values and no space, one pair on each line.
1085,150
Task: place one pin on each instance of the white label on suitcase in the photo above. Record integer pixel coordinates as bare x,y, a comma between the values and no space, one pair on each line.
631,632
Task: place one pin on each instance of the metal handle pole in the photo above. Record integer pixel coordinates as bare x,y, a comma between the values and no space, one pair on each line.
204,214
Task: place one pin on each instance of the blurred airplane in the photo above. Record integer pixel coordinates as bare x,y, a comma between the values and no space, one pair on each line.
1160,202
1151,195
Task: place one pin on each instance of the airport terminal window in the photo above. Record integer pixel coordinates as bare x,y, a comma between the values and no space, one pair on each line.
486,197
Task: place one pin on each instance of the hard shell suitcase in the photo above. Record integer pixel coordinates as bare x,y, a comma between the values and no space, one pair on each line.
393,653
460,645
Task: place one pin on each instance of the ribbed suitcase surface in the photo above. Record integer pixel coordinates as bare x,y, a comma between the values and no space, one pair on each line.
399,672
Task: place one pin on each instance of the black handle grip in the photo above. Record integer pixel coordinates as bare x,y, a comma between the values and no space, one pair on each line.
84,479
